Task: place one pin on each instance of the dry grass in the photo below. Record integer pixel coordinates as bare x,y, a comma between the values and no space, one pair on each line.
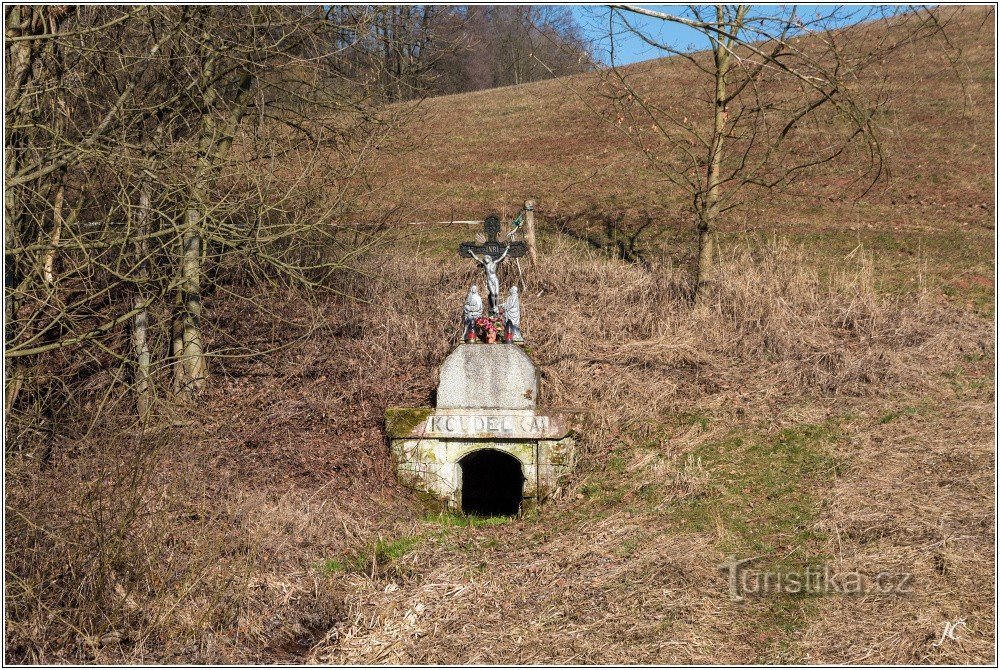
918,500
610,574
225,538
478,152
805,413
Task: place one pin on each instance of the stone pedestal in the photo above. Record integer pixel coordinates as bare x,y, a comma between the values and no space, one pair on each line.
487,400
488,376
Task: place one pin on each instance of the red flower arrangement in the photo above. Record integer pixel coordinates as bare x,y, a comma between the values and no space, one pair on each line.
489,329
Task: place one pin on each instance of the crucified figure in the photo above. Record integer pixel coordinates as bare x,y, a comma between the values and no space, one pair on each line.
492,281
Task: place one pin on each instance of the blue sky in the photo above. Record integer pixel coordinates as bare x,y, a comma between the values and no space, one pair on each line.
630,49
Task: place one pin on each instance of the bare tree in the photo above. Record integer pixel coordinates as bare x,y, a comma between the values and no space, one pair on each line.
156,155
777,93
481,47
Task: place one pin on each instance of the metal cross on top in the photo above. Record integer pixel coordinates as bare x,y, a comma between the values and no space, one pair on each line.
491,247
489,254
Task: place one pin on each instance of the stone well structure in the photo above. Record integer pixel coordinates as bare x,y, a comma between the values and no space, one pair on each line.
486,447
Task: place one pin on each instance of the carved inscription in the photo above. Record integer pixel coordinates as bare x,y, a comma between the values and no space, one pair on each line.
468,424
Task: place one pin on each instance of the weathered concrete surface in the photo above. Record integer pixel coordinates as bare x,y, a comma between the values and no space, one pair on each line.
428,459
480,423
486,400
433,465
488,376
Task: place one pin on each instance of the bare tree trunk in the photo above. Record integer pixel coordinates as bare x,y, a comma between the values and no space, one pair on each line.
529,231
18,56
708,209
13,373
12,370
57,224
177,340
140,324
191,368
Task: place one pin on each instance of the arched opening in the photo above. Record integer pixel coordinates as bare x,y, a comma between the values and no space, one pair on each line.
492,483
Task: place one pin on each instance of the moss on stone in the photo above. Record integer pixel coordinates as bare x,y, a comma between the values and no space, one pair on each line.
431,501
523,451
401,421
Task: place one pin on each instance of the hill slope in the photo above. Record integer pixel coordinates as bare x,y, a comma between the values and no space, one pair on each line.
479,152
830,409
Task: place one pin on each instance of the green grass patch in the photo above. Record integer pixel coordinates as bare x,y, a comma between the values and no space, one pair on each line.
603,492
763,495
378,556
764,491
760,494
390,550
629,547
692,419
963,380
889,417
774,623
334,565
617,463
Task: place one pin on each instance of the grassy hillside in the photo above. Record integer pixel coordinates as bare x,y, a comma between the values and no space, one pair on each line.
485,151
831,406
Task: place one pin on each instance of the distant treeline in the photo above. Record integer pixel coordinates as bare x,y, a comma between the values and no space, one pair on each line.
438,50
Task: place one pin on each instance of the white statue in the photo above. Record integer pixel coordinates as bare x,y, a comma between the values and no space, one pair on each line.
492,281
473,306
512,313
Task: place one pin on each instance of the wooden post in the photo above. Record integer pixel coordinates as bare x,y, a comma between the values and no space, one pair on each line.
529,231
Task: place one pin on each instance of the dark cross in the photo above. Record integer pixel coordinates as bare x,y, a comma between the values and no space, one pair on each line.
489,254
491,246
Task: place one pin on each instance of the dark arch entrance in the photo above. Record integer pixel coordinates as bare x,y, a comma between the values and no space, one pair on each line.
492,483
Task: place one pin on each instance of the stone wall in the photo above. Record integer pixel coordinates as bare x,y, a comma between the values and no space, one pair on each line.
487,399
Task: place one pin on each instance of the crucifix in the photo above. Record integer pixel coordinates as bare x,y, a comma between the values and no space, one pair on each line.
489,254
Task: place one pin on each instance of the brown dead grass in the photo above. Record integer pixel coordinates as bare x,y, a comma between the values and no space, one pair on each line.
776,347
918,500
478,152
204,539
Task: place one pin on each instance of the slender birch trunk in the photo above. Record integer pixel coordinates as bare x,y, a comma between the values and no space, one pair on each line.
18,57
48,264
529,231
191,367
192,371
140,324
